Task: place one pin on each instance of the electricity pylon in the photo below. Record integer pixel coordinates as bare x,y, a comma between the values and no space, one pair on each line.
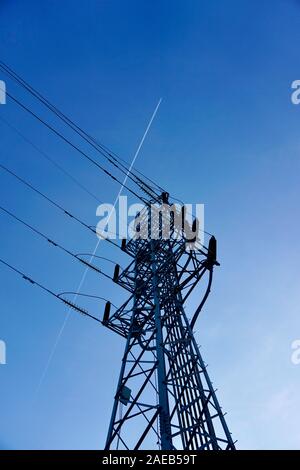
164,397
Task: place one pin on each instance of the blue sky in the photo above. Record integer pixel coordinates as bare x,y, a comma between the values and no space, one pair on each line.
226,135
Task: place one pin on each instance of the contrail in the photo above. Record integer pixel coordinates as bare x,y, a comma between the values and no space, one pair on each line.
94,252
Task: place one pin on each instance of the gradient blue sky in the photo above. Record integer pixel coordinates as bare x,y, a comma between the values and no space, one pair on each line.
226,135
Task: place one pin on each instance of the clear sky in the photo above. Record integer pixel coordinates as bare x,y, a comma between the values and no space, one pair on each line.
226,135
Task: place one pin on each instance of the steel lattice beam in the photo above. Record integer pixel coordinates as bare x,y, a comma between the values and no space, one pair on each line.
164,396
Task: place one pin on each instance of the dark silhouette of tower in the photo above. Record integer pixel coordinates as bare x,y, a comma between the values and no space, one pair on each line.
164,397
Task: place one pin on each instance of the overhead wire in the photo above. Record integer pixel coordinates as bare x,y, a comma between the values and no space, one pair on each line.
55,204
102,148
91,140
75,147
49,291
47,157
88,295
142,185
75,127
87,137
54,243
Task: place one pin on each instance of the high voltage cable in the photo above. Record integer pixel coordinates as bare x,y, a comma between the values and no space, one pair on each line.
91,140
46,156
71,123
87,137
85,155
49,291
143,186
58,206
79,131
52,242
80,294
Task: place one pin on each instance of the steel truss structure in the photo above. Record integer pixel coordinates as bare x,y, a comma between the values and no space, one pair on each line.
164,397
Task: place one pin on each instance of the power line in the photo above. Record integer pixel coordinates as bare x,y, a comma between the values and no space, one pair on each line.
53,243
140,185
46,156
74,127
58,206
87,137
143,186
61,136
49,291
89,296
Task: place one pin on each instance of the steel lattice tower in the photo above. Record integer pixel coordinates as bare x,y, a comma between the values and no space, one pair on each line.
164,397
